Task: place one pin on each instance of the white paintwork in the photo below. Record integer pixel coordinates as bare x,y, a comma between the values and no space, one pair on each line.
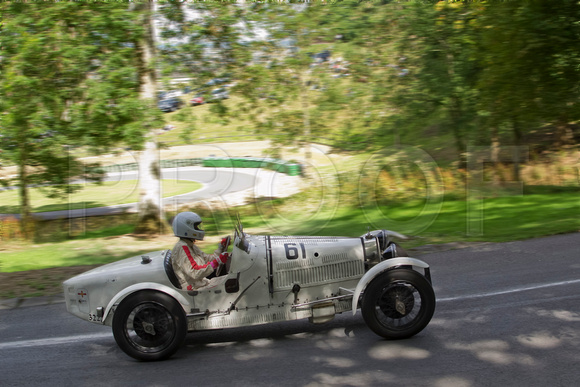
279,278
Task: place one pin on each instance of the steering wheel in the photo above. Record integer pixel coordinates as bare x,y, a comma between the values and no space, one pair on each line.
228,240
218,271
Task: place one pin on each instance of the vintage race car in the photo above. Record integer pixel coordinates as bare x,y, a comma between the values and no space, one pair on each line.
266,279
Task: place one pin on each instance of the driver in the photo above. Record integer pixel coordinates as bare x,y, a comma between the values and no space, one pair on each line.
191,265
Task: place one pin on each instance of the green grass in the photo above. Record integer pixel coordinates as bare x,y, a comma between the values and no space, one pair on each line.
205,126
491,220
72,253
496,219
92,195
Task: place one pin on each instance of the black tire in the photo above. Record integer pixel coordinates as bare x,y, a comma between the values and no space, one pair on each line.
149,326
398,304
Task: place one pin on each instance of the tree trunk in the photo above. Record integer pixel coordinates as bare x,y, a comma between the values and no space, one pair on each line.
495,154
26,221
306,116
564,137
458,133
517,143
151,219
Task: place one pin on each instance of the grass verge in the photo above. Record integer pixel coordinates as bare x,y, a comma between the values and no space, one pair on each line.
92,195
539,212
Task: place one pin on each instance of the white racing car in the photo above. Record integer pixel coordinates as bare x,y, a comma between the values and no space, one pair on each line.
267,279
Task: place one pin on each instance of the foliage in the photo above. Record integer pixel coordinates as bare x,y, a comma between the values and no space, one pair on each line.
419,72
422,73
436,69
530,64
68,79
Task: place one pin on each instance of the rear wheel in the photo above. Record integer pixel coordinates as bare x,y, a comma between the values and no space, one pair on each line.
398,304
149,326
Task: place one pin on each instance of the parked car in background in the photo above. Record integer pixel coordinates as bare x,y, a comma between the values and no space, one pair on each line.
218,81
213,96
199,99
322,56
218,94
215,81
170,104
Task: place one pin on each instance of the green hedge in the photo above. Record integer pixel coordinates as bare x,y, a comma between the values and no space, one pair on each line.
280,166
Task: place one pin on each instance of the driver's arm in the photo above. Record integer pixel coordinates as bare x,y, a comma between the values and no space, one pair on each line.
199,264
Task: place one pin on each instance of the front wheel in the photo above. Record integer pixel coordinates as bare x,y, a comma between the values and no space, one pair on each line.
149,326
398,304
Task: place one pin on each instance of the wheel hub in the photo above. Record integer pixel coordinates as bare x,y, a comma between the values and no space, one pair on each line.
151,324
397,301
149,328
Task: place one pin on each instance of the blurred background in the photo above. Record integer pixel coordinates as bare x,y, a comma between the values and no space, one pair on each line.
450,121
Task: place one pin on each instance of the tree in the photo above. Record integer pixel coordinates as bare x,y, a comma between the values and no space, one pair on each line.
150,219
531,72
67,80
274,70
436,52
276,82
468,70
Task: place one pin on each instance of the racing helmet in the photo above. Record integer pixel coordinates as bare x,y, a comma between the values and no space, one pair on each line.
188,225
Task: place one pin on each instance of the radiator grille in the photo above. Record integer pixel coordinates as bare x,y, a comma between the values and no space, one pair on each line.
312,275
307,240
295,264
334,258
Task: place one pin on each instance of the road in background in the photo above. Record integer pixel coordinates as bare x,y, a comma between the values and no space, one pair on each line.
219,184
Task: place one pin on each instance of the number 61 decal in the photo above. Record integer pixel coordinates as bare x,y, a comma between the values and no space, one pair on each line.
292,251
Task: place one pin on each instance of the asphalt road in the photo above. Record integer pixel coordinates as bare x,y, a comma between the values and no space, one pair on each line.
217,182
507,315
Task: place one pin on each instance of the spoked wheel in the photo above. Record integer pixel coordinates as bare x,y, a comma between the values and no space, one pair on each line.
149,326
398,304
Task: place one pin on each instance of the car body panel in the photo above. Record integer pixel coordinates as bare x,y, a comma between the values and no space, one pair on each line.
185,304
94,289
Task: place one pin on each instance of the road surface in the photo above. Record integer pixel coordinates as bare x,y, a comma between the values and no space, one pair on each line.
508,314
